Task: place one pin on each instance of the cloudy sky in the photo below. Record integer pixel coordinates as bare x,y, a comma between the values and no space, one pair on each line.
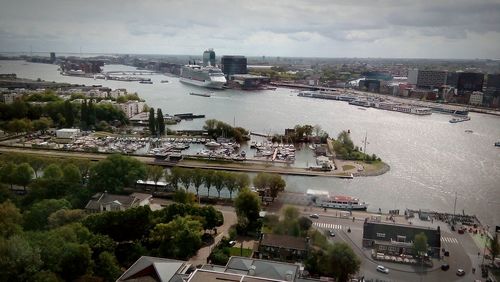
329,28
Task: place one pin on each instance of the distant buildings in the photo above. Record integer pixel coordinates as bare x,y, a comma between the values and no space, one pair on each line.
476,98
130,108
428,79
9,98
234,65
209,58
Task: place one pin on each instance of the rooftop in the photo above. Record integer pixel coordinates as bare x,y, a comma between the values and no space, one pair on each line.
283,241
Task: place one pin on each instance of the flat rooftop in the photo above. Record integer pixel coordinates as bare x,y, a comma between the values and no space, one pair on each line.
201,275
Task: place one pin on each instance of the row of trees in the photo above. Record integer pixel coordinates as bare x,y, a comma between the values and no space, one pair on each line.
15,117
217,128
156,124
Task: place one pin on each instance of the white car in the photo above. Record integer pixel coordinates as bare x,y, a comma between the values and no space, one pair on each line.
382,269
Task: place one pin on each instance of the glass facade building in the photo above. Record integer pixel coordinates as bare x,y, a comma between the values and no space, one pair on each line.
234,65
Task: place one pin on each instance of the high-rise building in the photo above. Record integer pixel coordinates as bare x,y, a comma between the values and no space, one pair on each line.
209,58
234,65
469,81
428,79
492,92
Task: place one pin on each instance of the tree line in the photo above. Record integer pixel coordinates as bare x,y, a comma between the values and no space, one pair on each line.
217,128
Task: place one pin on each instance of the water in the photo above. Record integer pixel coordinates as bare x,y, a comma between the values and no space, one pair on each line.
431,159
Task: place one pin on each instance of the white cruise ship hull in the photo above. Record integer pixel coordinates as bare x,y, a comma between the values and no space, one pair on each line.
343,206
207,83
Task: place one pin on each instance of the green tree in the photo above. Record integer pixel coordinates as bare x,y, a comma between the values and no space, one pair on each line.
64,216
420,244
23,174
37,163
116,172
342,261
208,180
494,248
219,180
242,181
276,185
180,238
71,174
247,206
42,124
107,267
91,117
184,197
175,176
152,121
75,261
10,219
186,177
304,224
160,122
7,174
84,115
261,181
230,183
197,178
155,173
53,172
69,115
19,261
36,218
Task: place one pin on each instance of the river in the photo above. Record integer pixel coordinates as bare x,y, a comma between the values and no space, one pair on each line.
432,161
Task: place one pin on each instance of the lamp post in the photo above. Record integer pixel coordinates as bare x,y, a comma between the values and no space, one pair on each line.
485,242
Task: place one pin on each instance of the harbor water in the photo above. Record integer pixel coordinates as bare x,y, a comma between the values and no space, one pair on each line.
432,160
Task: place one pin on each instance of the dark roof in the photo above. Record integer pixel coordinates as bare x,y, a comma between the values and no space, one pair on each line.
154,269
283,241
105,198
262,268
392,231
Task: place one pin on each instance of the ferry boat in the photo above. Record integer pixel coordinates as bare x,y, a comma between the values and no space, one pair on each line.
325,200
459,119
208,77
146,82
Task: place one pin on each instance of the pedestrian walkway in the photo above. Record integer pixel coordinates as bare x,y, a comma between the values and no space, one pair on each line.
450,240
327,225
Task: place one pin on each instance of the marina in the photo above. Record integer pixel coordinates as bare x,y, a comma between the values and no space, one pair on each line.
418,146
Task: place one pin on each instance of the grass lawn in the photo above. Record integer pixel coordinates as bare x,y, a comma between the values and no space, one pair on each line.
236,251
348,167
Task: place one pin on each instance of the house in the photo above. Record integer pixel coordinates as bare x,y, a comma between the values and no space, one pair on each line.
157,269
67,133
281,247
397,239
110,202
238,269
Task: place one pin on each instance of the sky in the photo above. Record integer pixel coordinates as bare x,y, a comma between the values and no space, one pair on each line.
461,29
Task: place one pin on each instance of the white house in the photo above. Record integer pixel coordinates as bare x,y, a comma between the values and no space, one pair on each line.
68,133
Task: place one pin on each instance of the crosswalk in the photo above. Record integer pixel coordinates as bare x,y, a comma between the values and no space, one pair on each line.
327,225
449,240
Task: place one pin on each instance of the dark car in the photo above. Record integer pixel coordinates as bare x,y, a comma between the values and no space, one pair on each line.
460,272
445,267
314,215
446,253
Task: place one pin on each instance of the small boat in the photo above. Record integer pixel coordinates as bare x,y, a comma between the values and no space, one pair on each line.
459,119
146,82
468,131
164,81
212,144
200,94
497,144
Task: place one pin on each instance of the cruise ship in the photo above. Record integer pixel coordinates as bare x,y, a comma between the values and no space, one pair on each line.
209,76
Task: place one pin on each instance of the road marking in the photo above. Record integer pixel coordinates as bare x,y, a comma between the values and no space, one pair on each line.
451,240
327,225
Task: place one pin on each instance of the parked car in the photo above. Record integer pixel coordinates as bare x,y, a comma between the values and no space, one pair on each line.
332,234
314,215
446,253
382,269
232,243
460,272
445,266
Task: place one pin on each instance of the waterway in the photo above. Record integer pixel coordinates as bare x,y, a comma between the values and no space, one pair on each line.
431,160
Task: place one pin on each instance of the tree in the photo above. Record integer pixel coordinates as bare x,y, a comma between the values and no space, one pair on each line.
180,238
276,185
107,267
186,177
19,260
75,261
242,181
304,224
65,216
155,173
53,172
230,183
261,181
10,219
91,116
420,244
37,163
247,206
69,116
152,121
184,197
342,261
197,180
494,248
36,218
160,122
219,179
175,176
84,113
23,174
116,172
208,179
7,174
71,174
42,124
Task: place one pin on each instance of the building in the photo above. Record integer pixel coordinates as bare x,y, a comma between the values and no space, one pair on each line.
492,92
466,82
281,247
247,81
237,269
397,239
476,98
234,65
428,79
9,98
67,133
117,93
131,108
110,202
370,85
209,58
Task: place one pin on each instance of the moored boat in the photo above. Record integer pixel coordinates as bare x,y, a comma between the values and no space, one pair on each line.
326,200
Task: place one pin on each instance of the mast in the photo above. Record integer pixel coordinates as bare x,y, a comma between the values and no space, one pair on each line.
366,135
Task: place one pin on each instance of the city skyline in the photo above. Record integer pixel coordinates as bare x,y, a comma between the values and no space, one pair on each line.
384,28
